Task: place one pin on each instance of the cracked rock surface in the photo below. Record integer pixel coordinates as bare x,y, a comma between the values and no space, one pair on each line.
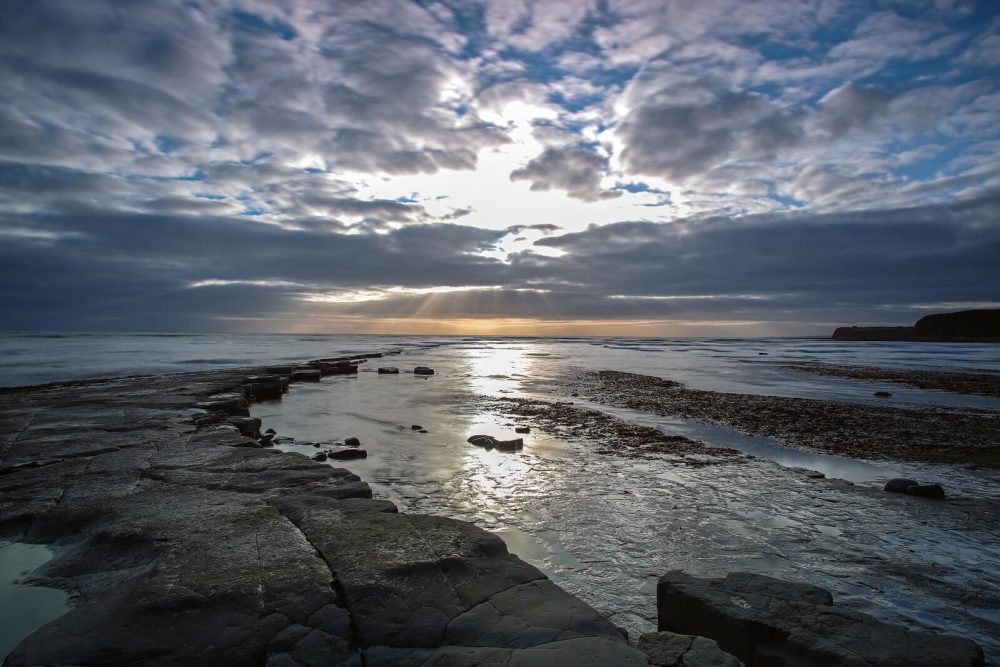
766,621
186,544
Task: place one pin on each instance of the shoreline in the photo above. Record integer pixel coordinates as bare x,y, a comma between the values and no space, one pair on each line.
150,518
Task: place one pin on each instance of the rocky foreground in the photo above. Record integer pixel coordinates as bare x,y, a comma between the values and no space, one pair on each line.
188,545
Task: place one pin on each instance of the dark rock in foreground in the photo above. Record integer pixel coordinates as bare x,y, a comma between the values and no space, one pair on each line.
964,326
765,621
668,649
191,545
423,370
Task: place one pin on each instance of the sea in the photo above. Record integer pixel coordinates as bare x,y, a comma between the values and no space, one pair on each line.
602,526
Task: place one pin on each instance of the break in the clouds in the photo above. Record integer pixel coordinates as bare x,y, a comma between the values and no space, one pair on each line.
720,166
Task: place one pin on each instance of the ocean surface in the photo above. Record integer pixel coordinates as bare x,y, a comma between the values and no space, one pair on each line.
605,527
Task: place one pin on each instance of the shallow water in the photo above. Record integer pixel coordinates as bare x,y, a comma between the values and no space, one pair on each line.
24,609
605,527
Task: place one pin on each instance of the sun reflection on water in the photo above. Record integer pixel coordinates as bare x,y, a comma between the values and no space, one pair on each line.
492,369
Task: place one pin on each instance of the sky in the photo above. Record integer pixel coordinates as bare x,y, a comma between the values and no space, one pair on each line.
584,167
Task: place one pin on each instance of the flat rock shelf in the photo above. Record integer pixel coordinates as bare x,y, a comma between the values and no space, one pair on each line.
187,544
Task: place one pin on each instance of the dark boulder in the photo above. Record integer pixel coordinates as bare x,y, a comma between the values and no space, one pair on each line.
388,370
352,442
279,370
416,427
321,456
882,394
509,445
267,389
248,426
934,491
423,370
767,621
522,429
348,454
484,441
898,485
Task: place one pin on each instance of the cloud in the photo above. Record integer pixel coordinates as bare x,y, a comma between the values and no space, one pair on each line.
576,170
73,271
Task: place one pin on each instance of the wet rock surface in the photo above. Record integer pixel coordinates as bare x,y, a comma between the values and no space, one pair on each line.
613,435
669,649
767,621
193,545
984,384
868,432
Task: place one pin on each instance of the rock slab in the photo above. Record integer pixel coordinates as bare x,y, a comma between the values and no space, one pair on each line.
669,649
769,622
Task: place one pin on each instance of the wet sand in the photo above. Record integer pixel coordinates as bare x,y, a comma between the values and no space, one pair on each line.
982,384
935,435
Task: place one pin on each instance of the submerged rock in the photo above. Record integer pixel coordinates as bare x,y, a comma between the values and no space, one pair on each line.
522,429
899,485
934,491
348,454
423,370
321,456
882,394
669,649
416,427
388,370
767,621
352,442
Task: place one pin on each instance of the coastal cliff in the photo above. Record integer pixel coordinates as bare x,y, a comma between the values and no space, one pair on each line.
973,326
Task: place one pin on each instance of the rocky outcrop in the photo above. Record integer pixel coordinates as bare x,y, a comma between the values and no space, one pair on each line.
765,621
964,326
191,545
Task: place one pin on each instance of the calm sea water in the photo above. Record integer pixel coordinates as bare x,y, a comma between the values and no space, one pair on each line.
725,364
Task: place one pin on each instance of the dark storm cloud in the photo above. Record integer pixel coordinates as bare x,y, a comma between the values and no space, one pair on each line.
92,269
